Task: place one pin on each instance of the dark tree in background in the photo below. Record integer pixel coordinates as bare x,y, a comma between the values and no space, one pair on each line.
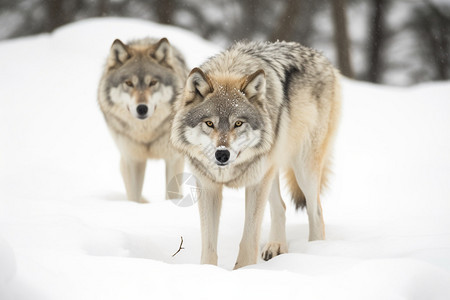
250,10
102,8
60,12
432,27
323,24
341,37
376,40
284,28
165,10
250,19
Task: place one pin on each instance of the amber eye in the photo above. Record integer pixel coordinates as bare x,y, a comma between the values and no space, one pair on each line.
238,124
209,124
153,82
129,83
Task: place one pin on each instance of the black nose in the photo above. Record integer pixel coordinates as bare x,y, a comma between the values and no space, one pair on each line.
222,156
142,109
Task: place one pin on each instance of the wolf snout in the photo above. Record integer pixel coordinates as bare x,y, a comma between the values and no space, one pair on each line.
142,111
222,157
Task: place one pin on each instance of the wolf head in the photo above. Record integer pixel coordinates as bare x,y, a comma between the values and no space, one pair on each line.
140,76
222,119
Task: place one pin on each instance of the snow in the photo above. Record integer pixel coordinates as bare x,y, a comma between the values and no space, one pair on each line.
67,231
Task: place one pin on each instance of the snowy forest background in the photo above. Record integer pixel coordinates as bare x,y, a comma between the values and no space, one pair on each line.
397,42
68,232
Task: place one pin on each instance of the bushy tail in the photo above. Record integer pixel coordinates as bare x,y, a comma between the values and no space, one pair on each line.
296,192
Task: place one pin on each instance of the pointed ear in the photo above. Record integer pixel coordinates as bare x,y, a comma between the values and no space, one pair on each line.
254,85
163,51
118,54
198,83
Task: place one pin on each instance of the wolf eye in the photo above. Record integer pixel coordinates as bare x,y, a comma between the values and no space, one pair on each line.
209,124
153,82
129,83
238,124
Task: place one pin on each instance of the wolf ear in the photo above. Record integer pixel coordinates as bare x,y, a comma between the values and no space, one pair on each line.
163,51
118,54
254,85
198,83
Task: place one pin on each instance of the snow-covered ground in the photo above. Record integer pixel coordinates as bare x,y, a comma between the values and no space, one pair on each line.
67,232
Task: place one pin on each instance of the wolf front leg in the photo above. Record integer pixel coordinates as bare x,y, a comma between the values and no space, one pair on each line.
133,173
209,204
174,167
277,238
255,202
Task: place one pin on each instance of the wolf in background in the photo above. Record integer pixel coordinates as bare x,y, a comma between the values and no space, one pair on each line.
247,114
137,92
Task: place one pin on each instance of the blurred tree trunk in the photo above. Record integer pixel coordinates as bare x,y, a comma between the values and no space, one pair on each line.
431,23
285,27
164,11
102,8
250,9
305,30
438,33
376,41
341,37
60,12
56,14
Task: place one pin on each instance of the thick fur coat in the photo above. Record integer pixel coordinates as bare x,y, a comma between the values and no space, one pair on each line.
247,114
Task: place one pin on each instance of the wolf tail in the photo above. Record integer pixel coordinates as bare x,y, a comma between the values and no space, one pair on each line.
296,192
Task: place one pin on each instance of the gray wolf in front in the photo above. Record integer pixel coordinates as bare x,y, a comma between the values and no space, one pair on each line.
248,114
138,89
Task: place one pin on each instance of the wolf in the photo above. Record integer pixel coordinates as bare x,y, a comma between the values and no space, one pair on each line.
137,91
247,115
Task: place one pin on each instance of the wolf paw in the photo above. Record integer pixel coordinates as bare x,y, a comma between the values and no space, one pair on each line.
273,249
143,200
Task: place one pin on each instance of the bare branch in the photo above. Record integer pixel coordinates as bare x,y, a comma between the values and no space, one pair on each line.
179,249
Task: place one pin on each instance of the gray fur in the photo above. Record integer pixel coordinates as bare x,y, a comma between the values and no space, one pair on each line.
150,72
286,64
286,98
231,110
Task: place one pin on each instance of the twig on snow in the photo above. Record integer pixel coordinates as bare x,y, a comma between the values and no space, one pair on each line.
179,249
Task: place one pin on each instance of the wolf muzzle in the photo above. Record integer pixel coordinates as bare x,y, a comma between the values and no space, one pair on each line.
142,111
222,157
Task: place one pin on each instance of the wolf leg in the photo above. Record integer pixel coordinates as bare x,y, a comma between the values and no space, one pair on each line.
255,201
209,204
133,176
277,238
174,167
308,179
